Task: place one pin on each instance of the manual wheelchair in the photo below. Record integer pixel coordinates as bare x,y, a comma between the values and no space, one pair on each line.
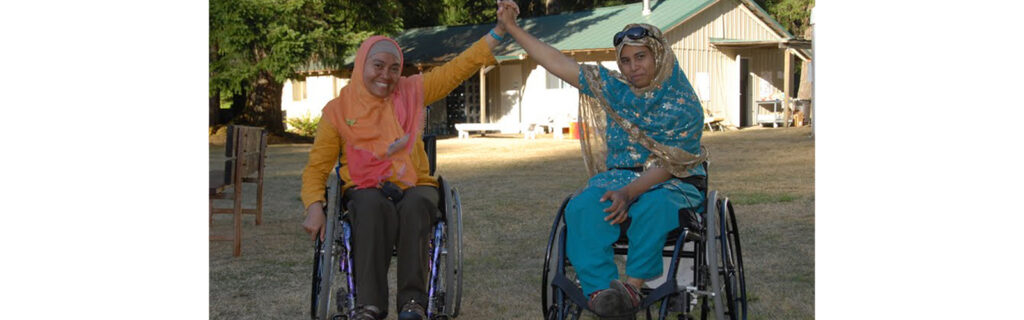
333,288
707,236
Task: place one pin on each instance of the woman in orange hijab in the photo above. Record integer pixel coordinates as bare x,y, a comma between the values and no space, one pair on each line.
376,124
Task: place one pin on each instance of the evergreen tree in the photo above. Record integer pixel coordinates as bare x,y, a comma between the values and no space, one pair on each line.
794,15
419,13
255,45
460,12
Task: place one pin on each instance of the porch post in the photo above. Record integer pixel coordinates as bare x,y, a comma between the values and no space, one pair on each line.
787,87
483,95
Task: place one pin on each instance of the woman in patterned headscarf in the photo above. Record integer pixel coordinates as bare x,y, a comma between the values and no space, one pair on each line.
642,127
376,125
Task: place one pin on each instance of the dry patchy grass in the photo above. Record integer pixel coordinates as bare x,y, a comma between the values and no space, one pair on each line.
510,190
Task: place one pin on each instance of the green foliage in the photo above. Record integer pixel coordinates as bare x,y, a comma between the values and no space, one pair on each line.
253,42
225,102
536,8
794,15
279,37
459,12
419,13
304,125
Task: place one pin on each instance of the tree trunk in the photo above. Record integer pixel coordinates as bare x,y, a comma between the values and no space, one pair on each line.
214,98
238,102
263,106
214,108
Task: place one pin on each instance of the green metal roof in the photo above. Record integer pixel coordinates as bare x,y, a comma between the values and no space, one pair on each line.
593,29
434,45
581,30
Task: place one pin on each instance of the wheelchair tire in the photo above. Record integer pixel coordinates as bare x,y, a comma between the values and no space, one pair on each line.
713,255
326,255
314,297
551,256
732,262
453,259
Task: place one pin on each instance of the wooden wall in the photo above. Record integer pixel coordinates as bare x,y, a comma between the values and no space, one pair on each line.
728,19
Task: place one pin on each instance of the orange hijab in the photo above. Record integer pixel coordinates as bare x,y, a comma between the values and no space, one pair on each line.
369,125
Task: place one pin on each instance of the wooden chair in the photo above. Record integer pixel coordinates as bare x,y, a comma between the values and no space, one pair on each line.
711,121
246,151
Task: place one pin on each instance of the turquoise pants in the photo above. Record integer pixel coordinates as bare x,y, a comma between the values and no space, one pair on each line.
589,237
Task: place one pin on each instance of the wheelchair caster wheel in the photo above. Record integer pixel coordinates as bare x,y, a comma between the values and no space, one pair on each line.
341,299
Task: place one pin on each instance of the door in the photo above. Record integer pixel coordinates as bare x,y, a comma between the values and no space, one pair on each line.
746,112
510,85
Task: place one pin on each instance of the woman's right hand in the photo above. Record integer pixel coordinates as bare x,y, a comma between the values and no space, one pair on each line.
508,10
314,223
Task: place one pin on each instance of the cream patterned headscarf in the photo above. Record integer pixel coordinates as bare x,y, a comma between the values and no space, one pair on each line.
594,110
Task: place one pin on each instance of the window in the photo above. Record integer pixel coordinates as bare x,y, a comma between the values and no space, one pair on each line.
554,82
298,90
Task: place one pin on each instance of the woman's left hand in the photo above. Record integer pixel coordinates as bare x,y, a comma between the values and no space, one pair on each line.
619,210
507,12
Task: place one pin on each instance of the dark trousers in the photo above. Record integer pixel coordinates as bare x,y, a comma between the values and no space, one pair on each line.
378,225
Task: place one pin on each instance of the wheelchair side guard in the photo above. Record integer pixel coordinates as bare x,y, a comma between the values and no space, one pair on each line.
670,287
437,242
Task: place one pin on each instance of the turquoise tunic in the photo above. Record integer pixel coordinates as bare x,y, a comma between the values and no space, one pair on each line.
671,115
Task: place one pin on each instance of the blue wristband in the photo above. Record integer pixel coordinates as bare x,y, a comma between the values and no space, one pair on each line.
496,36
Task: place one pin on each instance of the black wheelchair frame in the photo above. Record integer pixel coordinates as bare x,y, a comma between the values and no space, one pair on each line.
717,267
334,256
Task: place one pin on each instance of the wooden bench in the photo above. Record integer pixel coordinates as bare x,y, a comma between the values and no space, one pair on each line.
246,151
465,128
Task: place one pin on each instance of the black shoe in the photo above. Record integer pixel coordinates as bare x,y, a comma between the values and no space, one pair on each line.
607,303
365,312
632,296
412,311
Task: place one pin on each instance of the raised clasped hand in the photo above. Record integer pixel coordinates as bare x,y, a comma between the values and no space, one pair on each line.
508,10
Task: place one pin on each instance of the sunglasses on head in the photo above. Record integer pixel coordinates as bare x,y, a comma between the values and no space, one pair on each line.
635,33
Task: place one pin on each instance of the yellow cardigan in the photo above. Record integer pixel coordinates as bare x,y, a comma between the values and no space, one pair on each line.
437,83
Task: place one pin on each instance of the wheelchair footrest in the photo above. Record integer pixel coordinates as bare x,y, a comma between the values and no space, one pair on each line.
693,290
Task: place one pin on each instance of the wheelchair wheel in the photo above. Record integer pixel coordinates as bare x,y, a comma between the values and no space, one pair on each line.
551,258
453,248
711,244
732,262
557,303
314,297
326,258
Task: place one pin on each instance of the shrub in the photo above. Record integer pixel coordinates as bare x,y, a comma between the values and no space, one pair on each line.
304,125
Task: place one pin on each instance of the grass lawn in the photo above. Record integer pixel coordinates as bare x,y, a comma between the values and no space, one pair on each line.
510,189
